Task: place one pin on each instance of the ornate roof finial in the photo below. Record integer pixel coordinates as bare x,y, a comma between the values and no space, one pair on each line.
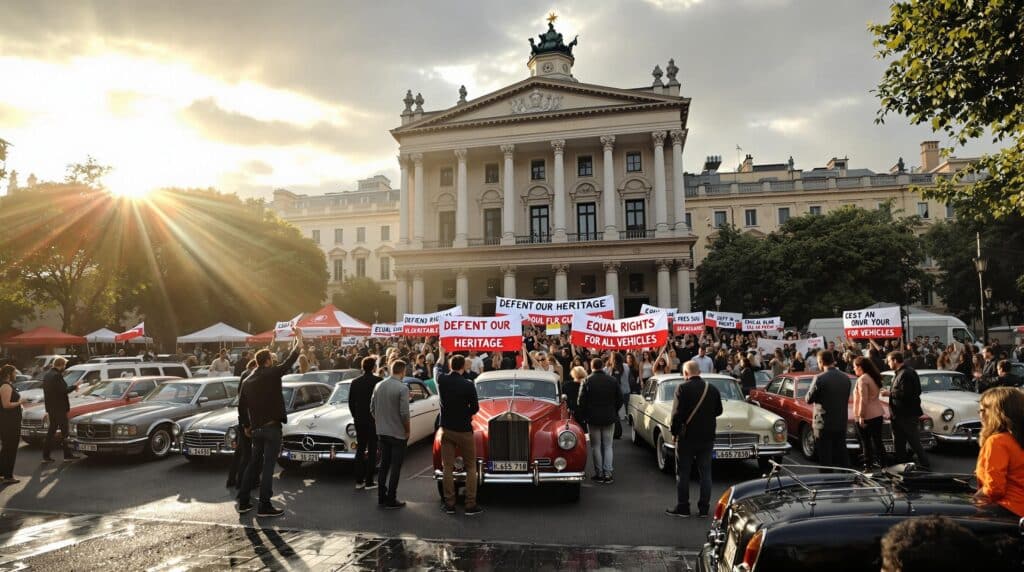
419,103
657,76
408,101
552,17
462,95
671,70
551,41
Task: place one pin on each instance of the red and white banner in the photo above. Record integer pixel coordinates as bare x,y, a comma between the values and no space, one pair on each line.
762,324
284,329
415,325
873,323
136,332
636,333
493,334
648,309
727,320
543,312
688,323
385,330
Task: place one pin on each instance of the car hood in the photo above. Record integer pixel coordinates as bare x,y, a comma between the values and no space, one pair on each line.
136,411
324,419
744,416
216,420
535,409
959,401
31,395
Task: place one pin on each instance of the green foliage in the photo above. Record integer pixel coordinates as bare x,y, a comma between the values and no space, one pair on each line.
849,258
90,173
957,65
361,296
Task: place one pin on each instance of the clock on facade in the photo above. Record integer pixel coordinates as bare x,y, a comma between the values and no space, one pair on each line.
548,67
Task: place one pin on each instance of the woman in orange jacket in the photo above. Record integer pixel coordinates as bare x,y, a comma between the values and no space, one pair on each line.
1000,468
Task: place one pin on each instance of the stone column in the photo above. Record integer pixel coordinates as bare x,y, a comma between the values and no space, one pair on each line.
609,191
561,281
509,287
508,212
660,188
461,203
664,283
462,289
611,284
683,284
419,200
559,234
417,292
679,182
403,202
401,295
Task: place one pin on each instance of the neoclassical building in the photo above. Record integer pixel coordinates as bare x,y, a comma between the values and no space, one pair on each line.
549,188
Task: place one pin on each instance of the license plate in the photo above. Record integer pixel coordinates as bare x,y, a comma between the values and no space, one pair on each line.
86,447
733,454
303,457
199,452
889,447
508,466
730,551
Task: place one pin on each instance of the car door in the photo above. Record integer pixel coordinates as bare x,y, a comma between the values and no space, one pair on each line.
646,409
769,397
141,389
421,411
216,396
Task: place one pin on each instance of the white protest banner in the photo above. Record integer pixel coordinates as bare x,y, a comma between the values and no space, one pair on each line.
762,324
284,329
688,323
727,320
648,309
414,325
804,346
873,323
638,332
543,312
385,330
464,333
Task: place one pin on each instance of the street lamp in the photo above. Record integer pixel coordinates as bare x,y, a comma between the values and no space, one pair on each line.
718,302
980,264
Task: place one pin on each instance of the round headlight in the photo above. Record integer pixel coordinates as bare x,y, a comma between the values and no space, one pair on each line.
947,415
175,429
561,464
73,429
350,430
230,438
566,440
927,424
779,426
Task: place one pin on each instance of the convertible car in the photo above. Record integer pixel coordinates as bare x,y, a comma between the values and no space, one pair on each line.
524,434
808,522
786,396
946,397
216,433
744,431
326,433
147,427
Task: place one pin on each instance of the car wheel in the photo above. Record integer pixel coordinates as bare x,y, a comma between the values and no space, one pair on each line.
664,461
159,443
637,439
807,442
571,493
289,464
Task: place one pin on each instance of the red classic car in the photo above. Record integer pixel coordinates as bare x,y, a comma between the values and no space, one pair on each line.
524,434
786,396
106,394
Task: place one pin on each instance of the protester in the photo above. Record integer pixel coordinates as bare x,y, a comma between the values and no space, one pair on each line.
1006,378
599,403
797,365
695,407
929,544
55,398
458,405
242,363
706,364
831,390
10,424
243,444
905,407
360,393
571,390
389,406
868,411
778,363
222,365
1000,468
261,411
747,380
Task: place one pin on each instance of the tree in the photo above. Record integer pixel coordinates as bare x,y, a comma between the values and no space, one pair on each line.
90,173
360,297
958,66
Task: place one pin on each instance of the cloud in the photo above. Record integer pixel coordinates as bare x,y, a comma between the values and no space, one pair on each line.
258,167
812,116
11,116
673,5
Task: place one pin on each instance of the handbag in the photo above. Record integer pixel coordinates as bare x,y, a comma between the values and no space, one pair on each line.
682,430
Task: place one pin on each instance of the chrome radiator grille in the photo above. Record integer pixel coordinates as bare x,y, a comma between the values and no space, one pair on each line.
732,439
203,440
88,431
509,438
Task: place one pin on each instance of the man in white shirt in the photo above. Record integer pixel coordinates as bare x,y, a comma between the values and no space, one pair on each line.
707,365
475,363
221,365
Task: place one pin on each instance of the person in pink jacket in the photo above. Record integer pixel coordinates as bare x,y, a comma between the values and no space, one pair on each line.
868,411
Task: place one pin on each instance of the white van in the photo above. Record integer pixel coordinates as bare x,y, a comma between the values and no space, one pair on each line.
922,323
90,373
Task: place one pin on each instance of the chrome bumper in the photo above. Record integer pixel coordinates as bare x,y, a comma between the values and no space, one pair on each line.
956,438
532,478
286,454
759,450
113,446
214,451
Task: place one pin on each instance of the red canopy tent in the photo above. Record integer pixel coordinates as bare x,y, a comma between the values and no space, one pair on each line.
44,336
329,321
8,335
262,338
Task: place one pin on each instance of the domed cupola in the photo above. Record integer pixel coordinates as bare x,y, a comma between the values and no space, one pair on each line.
551,57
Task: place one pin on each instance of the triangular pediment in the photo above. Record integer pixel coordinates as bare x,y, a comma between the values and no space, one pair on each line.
541,98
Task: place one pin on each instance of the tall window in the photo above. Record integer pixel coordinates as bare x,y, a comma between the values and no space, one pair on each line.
493,287
636,283
585,166
588,284
492,226
448,288
385,232
783,215
721,219
539,224
636,219
922,210
361,234
586,221
750,217
315,235
949,211
385,268
360,267
446,227
491,173
537,170
339,270
689,221
339,235
447,177
814,210
633,164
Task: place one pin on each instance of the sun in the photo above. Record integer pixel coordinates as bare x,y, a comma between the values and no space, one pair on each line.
130,191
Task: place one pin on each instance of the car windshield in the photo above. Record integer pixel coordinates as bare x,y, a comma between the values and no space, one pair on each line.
174,392
340,394
38,363
948,381
109,389
498,388
726,387
328,377
73,375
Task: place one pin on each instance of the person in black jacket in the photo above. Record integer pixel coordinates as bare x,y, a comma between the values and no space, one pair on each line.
261,413
600,400
905,407
695,407
55,398
243,444
747,380
459,403
366,431
831,391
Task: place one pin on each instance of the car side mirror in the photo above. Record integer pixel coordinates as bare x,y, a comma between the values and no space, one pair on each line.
132,395
565,398
203,400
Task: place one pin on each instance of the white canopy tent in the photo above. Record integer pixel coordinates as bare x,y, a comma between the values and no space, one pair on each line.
219,333
106,336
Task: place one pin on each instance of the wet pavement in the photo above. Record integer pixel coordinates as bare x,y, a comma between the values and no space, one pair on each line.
33,541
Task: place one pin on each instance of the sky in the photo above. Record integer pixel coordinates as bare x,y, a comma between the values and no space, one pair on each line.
249,96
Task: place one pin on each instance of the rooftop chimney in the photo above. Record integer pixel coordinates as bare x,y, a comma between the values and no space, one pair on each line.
929,155
747,165
712,163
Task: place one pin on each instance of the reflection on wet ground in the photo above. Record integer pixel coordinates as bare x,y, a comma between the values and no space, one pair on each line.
90,542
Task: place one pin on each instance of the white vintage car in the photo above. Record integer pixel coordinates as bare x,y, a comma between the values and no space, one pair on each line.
744,431
327,433
945,398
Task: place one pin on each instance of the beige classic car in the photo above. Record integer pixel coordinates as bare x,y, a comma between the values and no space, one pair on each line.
947,399
744,431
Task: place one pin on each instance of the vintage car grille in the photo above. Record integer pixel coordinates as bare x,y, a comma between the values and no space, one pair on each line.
32,423
203,440
969,428
312,443
509,438
733,439
88,431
